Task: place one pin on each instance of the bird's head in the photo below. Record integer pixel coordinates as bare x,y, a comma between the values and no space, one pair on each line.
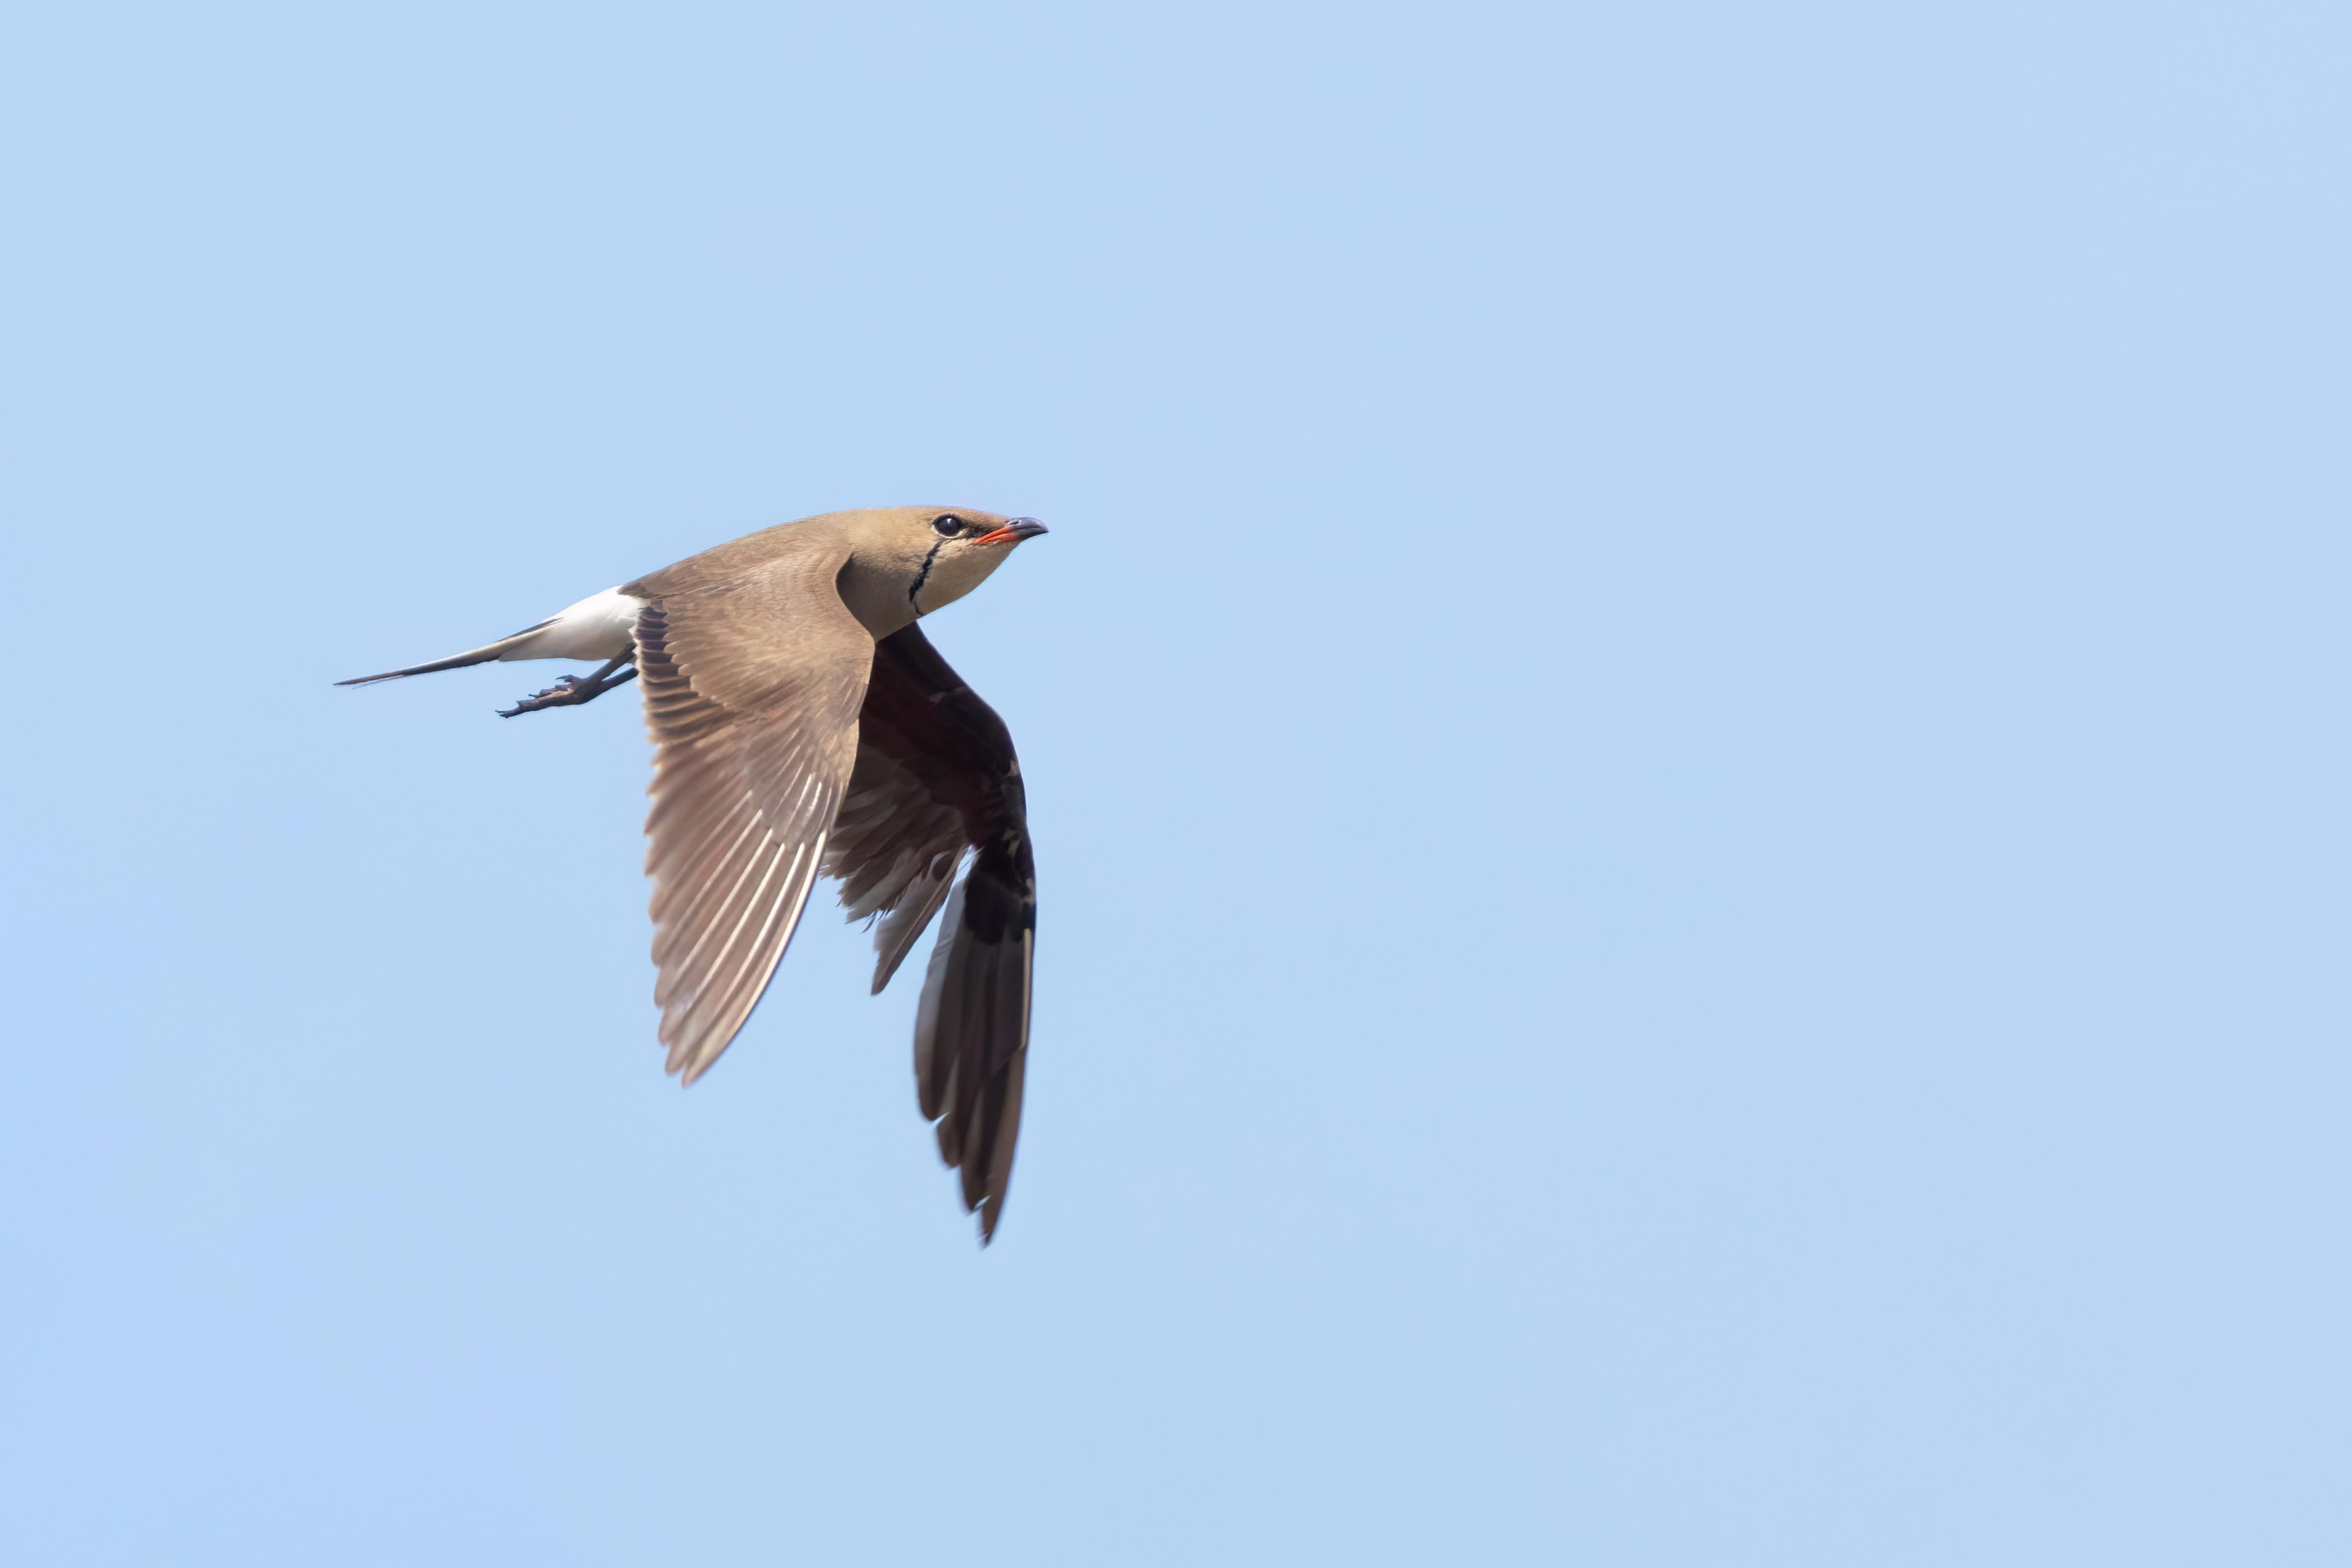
926,556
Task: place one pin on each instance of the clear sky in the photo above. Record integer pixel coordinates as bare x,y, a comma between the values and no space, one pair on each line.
1686,721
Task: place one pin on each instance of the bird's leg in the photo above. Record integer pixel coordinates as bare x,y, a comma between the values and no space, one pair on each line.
572,689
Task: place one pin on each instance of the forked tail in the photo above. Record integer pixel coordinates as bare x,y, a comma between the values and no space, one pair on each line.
481,655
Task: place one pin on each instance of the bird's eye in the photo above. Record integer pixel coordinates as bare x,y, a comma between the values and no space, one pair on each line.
948,524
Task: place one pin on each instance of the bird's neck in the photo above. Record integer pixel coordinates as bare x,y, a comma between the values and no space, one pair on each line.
887,595
876,594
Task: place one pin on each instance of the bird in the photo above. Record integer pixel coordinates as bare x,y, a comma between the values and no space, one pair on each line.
805,727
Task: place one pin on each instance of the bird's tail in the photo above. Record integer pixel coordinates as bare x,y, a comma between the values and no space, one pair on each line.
503,648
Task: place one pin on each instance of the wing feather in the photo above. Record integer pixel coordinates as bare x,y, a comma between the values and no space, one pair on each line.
751,690
937,787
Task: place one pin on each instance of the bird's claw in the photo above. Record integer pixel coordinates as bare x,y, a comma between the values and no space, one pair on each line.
562,693
572,690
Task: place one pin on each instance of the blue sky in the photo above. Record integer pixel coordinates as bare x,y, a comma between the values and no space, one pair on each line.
1684,722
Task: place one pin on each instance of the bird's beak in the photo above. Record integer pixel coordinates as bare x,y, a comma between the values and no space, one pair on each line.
1014,532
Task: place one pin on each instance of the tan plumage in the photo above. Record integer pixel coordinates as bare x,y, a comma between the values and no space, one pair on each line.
804,725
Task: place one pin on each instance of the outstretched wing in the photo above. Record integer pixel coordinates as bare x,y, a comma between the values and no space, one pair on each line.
751,691
937,781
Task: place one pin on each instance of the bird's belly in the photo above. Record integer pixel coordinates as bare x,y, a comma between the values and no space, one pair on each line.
601,626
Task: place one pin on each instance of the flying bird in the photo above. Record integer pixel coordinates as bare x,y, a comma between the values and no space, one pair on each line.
805,726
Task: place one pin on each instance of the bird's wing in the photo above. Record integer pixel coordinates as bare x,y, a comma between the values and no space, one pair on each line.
751,691
936,780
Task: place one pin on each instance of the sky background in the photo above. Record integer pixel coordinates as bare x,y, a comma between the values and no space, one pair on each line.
1685,723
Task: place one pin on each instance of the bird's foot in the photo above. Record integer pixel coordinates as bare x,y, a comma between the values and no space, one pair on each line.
571,691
